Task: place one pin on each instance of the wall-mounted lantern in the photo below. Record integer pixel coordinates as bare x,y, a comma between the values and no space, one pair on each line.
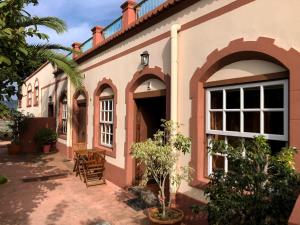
145,58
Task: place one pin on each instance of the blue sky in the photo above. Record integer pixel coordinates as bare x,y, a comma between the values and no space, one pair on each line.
79,15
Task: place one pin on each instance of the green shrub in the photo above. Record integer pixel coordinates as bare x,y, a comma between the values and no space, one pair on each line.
259,188
45,136
3,180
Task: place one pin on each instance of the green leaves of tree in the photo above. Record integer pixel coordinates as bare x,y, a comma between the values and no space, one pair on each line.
259,188
19,59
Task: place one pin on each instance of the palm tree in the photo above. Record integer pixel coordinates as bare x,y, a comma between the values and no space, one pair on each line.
16,27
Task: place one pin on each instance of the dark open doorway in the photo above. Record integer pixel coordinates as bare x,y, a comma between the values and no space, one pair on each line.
149,113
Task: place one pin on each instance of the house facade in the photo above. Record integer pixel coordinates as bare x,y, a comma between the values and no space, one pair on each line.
223,69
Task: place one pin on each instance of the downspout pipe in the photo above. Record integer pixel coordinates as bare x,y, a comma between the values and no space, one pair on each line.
174,72
174,91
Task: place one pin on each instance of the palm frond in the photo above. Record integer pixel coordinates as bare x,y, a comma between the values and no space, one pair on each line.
53,23
39,47
68,66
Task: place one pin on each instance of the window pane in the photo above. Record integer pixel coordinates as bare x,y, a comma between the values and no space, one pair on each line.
234,141
233,99
273,122
216,120
233,121
216,99
218,162
273,96
216,137
252,122
252,98
276,146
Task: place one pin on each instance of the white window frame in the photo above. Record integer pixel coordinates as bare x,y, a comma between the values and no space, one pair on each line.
29,97
106,125
64,116
241,133
36,88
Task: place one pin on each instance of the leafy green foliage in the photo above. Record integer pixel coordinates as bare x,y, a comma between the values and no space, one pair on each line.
3,179
18,125
19,59
45,136
4,112
159,156
259,188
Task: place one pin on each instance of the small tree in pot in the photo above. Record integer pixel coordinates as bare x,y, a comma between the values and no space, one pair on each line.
159,156
44,138
17,126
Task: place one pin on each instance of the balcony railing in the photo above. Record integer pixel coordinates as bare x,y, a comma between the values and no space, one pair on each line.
88,44
113,28
146,6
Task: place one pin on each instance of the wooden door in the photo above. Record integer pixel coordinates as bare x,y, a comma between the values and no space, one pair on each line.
81,120
149,113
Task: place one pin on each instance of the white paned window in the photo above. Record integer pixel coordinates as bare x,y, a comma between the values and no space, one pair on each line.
36,87
64,116
29,97
240,112
106,122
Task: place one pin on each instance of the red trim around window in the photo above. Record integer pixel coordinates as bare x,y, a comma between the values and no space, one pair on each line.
105,83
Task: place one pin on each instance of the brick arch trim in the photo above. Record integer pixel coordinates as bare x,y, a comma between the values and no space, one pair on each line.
75,110
104,83
264,49
138,78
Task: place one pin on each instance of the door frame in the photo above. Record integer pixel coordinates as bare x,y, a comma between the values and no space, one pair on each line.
138,78
74,113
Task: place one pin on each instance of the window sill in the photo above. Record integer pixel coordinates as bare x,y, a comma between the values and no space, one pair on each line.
36,104
108,151
62,136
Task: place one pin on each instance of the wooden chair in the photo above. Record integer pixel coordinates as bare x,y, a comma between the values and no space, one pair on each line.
79,157
93,168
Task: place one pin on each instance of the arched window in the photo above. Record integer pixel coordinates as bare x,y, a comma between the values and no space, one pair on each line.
29,96
106,120
63,114
105,117
36,92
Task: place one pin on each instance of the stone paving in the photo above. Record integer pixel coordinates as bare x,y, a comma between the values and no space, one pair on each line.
61,201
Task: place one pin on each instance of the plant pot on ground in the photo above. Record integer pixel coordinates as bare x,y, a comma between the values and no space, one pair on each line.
44,138
159,157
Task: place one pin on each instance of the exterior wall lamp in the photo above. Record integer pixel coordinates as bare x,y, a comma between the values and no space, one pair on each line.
145,58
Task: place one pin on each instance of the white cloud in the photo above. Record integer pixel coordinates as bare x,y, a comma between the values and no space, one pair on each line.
79,15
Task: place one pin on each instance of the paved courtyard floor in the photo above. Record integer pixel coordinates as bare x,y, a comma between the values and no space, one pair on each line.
61,201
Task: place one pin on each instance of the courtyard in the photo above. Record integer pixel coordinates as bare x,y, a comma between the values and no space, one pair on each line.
61,200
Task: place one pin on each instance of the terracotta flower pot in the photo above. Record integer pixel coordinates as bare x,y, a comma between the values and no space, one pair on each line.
46,148
13,149
173,221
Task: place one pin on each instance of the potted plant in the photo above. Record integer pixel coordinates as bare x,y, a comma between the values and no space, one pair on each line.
44,138
17,126
159,157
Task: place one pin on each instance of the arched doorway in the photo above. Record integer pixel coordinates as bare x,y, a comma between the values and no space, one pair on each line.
147,102
80,102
